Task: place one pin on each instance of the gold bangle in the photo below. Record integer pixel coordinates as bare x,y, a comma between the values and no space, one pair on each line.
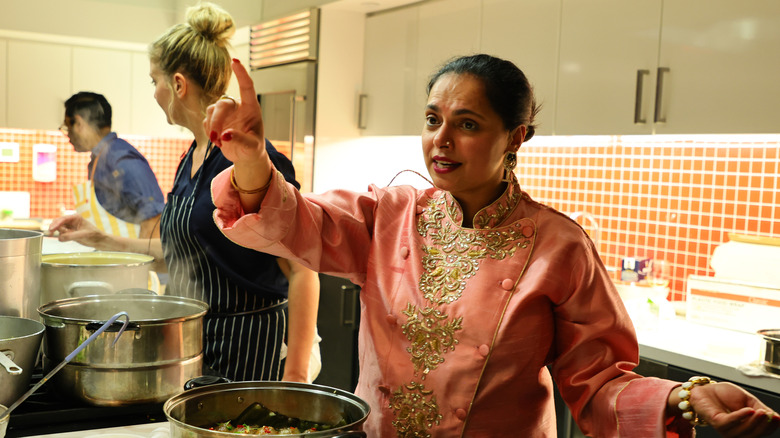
685,395
248,192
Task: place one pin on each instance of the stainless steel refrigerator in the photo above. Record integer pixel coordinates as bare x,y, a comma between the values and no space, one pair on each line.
283,66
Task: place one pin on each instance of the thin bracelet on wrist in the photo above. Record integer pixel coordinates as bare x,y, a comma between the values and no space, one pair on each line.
685,395
248,192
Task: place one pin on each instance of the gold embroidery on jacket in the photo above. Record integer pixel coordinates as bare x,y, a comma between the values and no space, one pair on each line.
456,253
431,335
416,411
449,261
488,218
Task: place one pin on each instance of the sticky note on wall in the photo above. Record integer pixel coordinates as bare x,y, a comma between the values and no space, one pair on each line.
9,152
44,162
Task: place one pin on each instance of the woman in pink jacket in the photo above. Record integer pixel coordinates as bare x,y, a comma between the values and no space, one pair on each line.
470,289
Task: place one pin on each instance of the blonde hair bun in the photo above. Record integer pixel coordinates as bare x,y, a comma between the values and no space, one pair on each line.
211,21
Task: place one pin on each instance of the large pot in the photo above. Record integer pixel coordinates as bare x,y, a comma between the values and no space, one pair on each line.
20,264
20,343
161,349
92,273
192,412
770,350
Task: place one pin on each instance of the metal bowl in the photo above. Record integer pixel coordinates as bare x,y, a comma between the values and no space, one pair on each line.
20,343
770,350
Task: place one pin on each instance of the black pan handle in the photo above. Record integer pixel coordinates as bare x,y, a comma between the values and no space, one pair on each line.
197,382
350,434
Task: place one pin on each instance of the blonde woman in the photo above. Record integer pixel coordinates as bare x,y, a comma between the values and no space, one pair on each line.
247,291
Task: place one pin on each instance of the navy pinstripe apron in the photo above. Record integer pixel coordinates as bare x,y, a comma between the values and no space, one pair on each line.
243,331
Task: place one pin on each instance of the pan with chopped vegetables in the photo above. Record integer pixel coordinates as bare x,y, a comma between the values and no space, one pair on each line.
266,408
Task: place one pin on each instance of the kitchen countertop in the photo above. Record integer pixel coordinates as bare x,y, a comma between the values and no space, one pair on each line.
147,430
707,350
710,351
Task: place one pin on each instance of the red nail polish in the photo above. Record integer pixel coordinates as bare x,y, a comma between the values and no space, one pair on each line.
236,60
227,136
213,136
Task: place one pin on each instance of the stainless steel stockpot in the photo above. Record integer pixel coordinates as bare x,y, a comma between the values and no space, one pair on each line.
79,274
161,349
20,264
20,343
192,412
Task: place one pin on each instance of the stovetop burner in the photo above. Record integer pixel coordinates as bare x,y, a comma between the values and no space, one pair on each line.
46,412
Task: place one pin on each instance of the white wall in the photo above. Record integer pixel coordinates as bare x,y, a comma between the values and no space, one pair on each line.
138,21
354,164
279,8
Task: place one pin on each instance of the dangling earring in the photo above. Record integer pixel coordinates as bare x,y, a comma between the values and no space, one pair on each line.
510,162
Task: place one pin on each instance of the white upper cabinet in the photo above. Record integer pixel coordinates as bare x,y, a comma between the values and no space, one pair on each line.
390,66
106,72
723,60
403,47
608,64
38,84
700,66
448,28
526,33
42,75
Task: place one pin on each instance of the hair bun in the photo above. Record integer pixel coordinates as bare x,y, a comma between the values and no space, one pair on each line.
211,21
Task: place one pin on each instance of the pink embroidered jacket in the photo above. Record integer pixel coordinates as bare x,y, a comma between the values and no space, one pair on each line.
458,325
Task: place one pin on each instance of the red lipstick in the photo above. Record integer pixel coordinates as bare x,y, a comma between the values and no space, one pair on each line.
444,164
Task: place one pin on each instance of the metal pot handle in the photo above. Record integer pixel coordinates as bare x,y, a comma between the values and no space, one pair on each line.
136,290
114,327
6,360
91,288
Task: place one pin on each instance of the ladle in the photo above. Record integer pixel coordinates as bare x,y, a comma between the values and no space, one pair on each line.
68,359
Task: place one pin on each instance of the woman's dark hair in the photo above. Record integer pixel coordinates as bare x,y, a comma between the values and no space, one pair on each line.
92,107
506,88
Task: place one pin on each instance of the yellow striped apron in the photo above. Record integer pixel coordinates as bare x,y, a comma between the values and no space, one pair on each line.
89,208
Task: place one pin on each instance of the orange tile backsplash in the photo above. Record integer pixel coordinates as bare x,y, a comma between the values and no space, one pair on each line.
48,199
673,198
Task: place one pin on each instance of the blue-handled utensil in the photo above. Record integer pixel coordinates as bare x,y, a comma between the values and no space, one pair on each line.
69,357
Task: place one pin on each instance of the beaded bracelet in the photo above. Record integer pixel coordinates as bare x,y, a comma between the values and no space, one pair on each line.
685,395
248,192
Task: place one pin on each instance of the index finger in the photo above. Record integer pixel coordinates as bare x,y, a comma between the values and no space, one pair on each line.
59,222
245,83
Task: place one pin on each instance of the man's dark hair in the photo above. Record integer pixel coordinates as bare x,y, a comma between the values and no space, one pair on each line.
92,107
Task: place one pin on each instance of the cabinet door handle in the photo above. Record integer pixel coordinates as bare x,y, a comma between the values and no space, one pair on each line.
362,101
348,315
659,91
640,85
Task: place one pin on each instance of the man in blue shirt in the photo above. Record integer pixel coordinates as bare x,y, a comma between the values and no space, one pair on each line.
121,195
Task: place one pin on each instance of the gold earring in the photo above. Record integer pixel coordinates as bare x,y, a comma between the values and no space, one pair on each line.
510,162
